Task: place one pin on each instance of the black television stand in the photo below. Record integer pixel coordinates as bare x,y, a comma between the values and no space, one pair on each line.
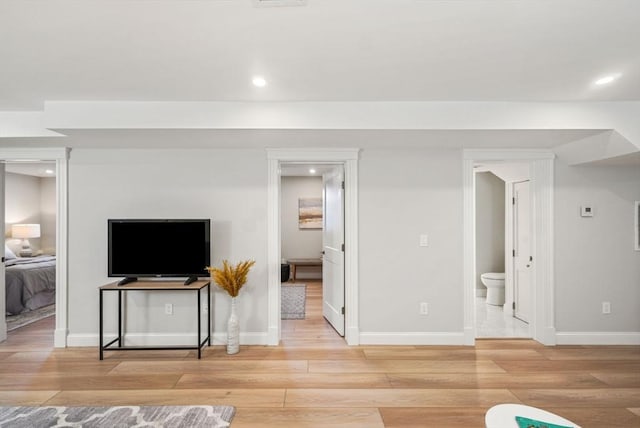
191,280
127,280
118,343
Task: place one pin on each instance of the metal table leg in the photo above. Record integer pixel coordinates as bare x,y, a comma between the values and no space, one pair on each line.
101,326
199,322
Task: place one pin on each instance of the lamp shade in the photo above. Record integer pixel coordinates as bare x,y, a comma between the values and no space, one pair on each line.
25,231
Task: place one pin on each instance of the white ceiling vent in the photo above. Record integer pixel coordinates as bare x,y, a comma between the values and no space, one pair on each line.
272,3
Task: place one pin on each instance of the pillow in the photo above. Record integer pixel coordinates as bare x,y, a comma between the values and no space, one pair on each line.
8,254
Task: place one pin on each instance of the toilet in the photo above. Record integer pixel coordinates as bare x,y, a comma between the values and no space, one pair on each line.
494,281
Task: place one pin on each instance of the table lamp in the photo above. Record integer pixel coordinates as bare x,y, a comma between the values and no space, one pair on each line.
24,232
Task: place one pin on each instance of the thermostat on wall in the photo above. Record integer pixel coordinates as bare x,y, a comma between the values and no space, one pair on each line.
586,211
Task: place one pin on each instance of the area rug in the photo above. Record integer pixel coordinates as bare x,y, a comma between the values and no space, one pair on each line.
293,301
26,318
117,416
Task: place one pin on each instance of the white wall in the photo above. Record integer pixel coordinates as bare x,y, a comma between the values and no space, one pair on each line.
490,218
31,199
296,242
48,214
22,205
595,257
405,193
226,186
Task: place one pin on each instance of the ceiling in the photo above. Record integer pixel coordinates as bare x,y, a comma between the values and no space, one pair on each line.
316,51
36,169
324,50
304,170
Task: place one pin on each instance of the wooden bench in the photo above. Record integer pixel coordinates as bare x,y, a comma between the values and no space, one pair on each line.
302,262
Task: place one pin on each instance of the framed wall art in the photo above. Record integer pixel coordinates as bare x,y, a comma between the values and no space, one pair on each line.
310,213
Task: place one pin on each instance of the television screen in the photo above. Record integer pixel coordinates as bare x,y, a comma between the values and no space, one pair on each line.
159,248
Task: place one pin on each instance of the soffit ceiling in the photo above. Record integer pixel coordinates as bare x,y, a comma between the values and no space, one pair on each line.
269,138
325,50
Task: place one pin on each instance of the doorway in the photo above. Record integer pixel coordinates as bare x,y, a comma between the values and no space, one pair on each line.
59,162
502,249
312,228
348,159
541,322
30,243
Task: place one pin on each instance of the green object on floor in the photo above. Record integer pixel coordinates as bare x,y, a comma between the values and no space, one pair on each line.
532,423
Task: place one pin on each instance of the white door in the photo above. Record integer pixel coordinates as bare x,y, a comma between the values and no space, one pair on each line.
333,249
522,252
3,293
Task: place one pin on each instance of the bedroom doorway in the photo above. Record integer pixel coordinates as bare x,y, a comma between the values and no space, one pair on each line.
34,222
30,242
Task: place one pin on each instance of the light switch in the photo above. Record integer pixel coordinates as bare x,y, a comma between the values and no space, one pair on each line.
424,240
586,211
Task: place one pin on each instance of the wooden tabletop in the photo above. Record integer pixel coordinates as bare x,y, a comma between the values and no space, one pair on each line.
157,285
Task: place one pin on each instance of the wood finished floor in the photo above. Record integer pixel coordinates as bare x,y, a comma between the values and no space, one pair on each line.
314,379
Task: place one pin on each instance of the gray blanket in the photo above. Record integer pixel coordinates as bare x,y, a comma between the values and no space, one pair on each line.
30,283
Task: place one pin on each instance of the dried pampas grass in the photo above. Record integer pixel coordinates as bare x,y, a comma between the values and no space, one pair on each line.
231,278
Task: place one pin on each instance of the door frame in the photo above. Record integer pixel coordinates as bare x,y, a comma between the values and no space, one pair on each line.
348,157
61,157
542,324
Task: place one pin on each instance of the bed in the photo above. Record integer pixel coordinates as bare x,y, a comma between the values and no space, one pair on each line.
30,283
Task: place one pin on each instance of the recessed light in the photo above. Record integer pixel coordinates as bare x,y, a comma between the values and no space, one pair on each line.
48,171
259,81
312,171
607,79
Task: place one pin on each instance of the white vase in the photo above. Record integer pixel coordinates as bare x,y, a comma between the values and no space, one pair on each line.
233,330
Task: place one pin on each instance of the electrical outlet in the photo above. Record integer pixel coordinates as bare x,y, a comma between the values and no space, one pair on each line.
168,309
606,307
424,308
424,240
205,308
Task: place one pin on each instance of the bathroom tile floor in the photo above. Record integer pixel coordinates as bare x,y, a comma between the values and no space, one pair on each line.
491,322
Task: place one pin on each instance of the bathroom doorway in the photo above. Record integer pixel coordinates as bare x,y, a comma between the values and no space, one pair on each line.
502,249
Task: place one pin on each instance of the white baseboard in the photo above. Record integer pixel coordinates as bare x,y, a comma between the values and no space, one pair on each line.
140,339
60,338
469,335
352,336
549,336
245,339
598,338
412,338
272,337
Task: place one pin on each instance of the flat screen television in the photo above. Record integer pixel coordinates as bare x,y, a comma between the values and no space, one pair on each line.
159,248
